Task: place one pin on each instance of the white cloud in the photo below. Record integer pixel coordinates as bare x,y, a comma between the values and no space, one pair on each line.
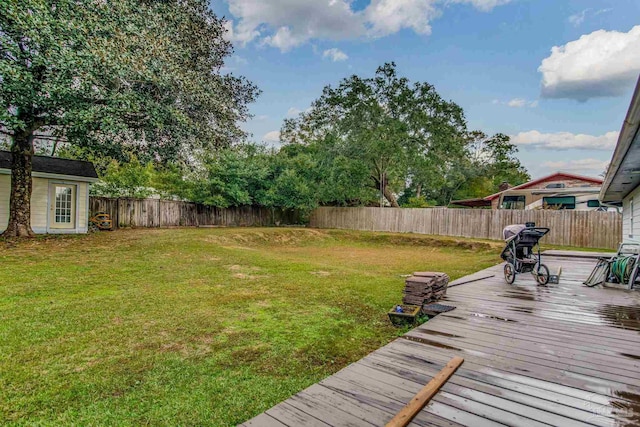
565,140
240,35
335,54
233,63
273,136
578,18
603,63
598,12
483,5
386,17
582,166
517,103
293,111
237,59
284,40
286,24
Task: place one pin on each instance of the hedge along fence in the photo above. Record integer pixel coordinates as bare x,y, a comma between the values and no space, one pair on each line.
153,213
589,229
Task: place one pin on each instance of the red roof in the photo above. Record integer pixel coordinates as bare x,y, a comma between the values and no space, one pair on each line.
553,177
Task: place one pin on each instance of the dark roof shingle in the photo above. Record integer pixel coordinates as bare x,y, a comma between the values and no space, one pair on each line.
54,165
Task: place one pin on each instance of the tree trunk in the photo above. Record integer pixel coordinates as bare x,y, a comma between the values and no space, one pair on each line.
388,194
418,190
21,185
390,197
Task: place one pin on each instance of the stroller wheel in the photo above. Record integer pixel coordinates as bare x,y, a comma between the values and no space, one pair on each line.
542,274
509,273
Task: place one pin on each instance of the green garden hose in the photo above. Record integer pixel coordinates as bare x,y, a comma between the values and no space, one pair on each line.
622,267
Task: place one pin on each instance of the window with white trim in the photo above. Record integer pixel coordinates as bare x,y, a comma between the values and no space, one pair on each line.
64,205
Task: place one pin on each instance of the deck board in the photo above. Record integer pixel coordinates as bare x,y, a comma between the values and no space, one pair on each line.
549,401
562,354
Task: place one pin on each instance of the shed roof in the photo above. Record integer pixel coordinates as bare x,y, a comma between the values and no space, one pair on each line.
54,165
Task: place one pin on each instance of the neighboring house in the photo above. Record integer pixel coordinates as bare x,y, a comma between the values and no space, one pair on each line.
622,182
60,194
560,190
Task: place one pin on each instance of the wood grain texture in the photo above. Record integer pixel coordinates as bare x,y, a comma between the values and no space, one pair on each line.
534,355
590,229
154,213
404,417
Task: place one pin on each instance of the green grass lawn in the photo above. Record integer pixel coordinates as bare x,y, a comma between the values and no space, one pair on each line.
197,326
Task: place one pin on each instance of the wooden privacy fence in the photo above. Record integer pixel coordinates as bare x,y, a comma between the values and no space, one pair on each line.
151,213
589,229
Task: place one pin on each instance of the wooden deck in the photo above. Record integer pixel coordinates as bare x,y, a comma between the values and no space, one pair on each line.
561,355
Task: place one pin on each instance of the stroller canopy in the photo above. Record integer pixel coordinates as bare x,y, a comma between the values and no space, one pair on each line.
511,231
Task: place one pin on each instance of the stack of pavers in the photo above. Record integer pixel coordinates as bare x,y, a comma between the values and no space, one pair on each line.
425,287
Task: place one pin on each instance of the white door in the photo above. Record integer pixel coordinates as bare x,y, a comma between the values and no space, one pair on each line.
62,214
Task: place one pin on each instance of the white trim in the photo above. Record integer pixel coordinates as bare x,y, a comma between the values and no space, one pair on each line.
60,176
54,176
568,190
631,225
63,231
49,195
47,228
64,182
41,230
86,208
54,230
627,136
77,206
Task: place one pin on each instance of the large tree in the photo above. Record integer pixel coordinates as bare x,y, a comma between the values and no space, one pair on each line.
489,161
247,174
138,77
399,131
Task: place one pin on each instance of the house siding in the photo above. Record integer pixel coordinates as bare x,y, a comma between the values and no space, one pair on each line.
83,201
40,205
39,196
531,198
5,186
568,183
627,232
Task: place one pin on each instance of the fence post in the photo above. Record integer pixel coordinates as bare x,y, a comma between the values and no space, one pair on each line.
587,229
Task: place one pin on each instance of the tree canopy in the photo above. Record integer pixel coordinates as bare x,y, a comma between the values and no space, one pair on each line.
136,86
114,78
363,133
487,162
385,134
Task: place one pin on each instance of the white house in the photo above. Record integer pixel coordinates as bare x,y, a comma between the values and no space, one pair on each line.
622,183
60,195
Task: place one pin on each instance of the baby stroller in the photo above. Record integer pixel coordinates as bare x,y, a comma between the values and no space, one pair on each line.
519,253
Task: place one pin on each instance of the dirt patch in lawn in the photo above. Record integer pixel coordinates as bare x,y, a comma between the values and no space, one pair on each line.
419,240
273,236
175,318
321,273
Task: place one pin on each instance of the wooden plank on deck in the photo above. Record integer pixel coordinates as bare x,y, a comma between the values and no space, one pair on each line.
562,354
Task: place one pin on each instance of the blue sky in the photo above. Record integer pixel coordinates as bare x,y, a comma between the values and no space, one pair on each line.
492,57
